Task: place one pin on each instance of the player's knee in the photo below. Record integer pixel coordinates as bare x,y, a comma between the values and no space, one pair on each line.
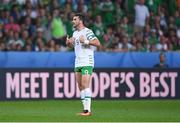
80,86
84,86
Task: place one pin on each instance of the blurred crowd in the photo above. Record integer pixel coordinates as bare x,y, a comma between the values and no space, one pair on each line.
120,25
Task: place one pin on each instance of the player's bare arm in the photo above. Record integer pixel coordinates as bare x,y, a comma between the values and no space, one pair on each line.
94,42
70,41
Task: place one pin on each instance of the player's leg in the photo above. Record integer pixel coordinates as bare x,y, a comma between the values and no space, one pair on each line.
78,77
86,79
87,90
86,95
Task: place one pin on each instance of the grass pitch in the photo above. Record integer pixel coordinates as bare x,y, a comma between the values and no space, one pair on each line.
103,111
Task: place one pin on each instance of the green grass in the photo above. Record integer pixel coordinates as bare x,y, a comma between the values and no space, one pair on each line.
103,111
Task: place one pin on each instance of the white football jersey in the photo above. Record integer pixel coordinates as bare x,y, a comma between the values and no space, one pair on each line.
84,53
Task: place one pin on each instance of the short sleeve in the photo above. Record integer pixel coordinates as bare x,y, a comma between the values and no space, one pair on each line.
90,35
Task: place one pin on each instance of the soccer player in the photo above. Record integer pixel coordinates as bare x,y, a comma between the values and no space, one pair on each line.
83,41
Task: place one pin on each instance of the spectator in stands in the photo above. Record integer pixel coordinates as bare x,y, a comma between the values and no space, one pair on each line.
30,15
153,40
98,28
2,46
11,25
153,5
29,26
107,9
141,16
81,7
57,28
177,44
162,44
94,9
162,61
163,20
108,38
127,27
119,13
29,10
39,39
40,45
28,48
9,40
18,41
2,43
51,45
15,12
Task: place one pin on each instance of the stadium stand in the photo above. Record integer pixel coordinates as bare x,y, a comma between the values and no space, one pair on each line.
42,25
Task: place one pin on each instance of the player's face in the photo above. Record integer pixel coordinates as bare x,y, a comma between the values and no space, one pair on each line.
75,21
162,58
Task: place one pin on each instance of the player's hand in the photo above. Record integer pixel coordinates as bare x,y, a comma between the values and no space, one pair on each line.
69,40
82,39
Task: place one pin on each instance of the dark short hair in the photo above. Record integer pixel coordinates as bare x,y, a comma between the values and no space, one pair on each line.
81,16
162,54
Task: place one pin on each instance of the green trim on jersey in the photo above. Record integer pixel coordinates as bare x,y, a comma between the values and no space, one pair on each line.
90,35
85,70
